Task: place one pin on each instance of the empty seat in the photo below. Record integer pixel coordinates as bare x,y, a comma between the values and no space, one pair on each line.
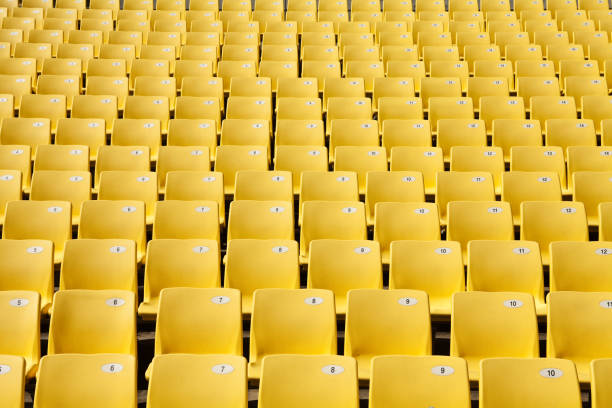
590,189
550,221
396,186
542,382
291,321
32,132
186,380
600,381
174,263
397,381
231,159
478,220
427,160
47,220
487,325
578,323
101,379
580,266
460,132
12,380
176,219
343,265
253,264
20,319
16,158
28,265
99,264
462,186
539,159
71,186
333,379
371,310
327,186
260,220
605,222
106,219
519,186
10,189
508,133
83,132
360,159
506,266
587,158
264,185
93,322
180,158
479,158
331,220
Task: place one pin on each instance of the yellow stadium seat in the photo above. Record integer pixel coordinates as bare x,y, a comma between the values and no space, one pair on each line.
260,220
404,221
71,186
277,329
130,185
12,382
347,108
105,219
327,186
99,265
296,108
508,133
298,159
58,157
539,159
83,132
299,132
181,158
577,324
333,377
494,222
605,222
33,132
360,159
16,158
600,379
225,378
332,261
596,108
462,185
549,221
506,266
398,108
577,266
405,132
186,220
590,189
48,220
231,159
545,382
148,107
400,380
96,106
255,264
199,266
397,186
519,186
427,160
441,108
10,189
487,325
587,158
100,378
460,132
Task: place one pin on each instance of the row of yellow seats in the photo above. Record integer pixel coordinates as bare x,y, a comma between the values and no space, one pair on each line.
291,380
249,219
336,265
303,321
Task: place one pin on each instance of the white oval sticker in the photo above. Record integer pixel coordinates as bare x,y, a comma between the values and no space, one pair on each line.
4,369
421,211
115,302
443,251
220,300
19,302
55,210
333,369
202,209
494,210
407,301
362,250
513,303
603,251
209,179
128,209
280,249
34,250
277,210
606,304
136,152
222,369
551,373
112,368
313,300
442,370
568,210
521,250
76,179
200,249
478,179
7,177
349,210
118,249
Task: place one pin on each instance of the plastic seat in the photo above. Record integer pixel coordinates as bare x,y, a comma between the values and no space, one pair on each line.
100,378
605,222
181,158
427,160
494,222
47,220
353,132
83,132
539,159
298,159
528,87
534,68
441,108
577,324
10,189
440,257
130,185
199,107
255,264
299,132
558,52
587,158
479,87
95,106
148,107
81,316
58,157
332,261
68,86
231,159
544,382
298,108
70,186
550,221
481,324
104,219
21,331
397,186
360,159
405,132
600,378
224,376
99,265
245,132
320,220
327,186
391,87
579,87
186,220
506,266
406,310
342,88
114,158
462,186
26,131
13,380
400,380
479,158
519,186
347,108
404,221
508,133
281,318
398,108
596,108
16,158
498,108
578,266
264,185
460,132
193,132
588,190
260,220
282,376
439,87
